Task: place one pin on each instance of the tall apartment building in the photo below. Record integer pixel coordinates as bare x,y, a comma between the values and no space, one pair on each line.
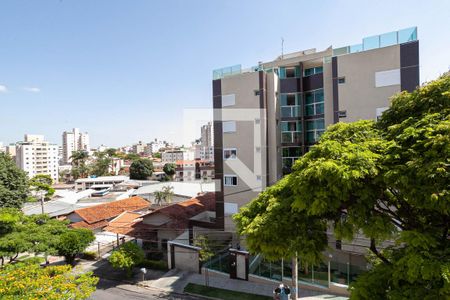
74,141
268,116
36,156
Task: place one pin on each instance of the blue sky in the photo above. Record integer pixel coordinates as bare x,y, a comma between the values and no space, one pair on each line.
125,70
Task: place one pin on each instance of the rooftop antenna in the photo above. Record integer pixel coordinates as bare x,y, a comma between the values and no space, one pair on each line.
282,47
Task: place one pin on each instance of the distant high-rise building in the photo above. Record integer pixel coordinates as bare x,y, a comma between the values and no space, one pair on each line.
74,141
207,135
205,150
36,156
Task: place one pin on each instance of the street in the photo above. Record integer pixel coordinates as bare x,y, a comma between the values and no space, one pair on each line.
112,290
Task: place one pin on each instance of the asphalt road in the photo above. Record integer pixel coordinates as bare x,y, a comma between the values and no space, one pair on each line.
112,290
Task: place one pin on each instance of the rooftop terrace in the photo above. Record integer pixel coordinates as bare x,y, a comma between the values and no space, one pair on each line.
368,43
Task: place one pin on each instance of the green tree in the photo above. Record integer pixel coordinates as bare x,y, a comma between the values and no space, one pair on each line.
79,167
141,169
30,281
102,164
42,183
156,155
13,183
32,234
169,169
74,242
388,180
205,253
126,257
132,156
167,193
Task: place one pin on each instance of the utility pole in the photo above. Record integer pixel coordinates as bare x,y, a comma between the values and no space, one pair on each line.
42,201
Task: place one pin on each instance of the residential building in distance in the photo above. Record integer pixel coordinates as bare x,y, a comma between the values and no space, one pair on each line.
155,146
82,184
190,170
36,156
73,141
268,116
171,156
139,148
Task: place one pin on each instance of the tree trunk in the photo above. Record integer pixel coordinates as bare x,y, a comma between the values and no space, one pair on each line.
2,259
294,288
13,258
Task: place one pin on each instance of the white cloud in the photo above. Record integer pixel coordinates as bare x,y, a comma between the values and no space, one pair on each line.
32,89
3,89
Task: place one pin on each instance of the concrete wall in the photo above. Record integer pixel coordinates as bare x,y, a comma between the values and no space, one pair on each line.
186,258
358,95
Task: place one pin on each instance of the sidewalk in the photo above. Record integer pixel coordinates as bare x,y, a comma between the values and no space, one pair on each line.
175,281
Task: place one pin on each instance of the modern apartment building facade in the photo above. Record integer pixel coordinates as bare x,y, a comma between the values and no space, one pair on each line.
36,156
73,141
268,116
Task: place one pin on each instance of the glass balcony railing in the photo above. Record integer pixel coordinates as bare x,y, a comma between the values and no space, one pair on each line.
380,41
290,111
227,71
294,137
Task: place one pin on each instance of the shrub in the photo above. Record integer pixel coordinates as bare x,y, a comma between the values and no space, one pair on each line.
126,257
154,264
90,255
155,255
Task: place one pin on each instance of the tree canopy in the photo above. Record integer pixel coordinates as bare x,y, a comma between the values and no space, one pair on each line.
13,183
33,234
169,169
141,169
42,183
30,281
73,242
389,180
126,257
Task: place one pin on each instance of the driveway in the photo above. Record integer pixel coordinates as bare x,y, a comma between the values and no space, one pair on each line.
113,290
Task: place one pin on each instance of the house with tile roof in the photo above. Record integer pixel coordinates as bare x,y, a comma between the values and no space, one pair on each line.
97,217
165,223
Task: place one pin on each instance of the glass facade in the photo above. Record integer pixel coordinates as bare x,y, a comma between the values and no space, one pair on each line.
290,105
289,72
312,71
314,102
314,129
291,132
342,273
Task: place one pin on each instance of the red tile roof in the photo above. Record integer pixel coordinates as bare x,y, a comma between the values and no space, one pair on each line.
93,226
110,210
181,212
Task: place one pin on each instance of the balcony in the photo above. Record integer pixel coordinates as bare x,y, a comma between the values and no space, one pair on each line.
290,111
293,137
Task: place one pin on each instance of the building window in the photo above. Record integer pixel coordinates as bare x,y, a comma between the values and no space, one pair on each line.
230,180
289,72
314,102
229,153
314,129
290,105
228,100
312,71
341,80
229,126
291,131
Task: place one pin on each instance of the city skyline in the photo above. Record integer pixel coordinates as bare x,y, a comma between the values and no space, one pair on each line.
114,79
